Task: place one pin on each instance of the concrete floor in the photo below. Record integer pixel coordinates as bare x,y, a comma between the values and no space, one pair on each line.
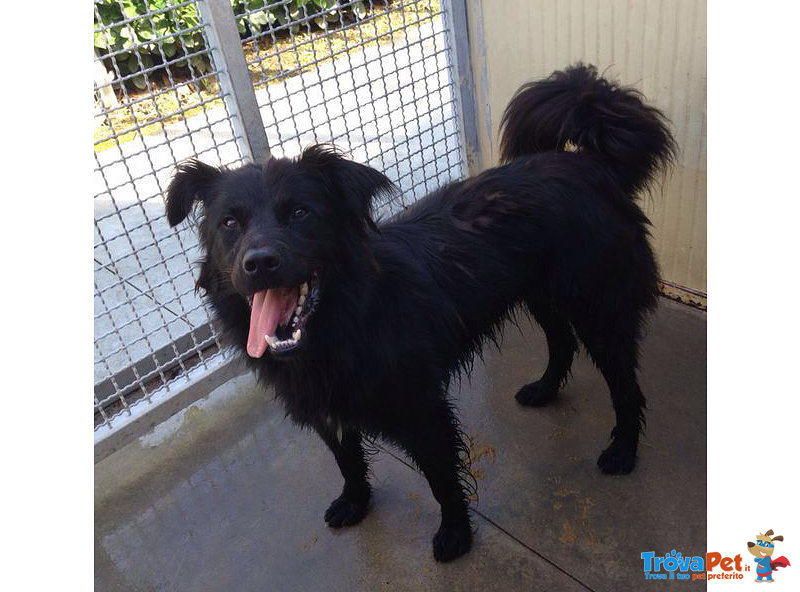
229,495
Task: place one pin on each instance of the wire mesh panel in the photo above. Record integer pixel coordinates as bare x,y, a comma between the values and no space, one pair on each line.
157,102
372,77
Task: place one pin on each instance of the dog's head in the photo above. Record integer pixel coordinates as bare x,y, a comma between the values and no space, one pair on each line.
764,545
272,233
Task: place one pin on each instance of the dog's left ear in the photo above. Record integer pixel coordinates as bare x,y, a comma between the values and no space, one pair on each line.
353,182
191,183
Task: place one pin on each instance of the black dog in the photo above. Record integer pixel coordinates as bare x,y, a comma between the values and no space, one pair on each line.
360,327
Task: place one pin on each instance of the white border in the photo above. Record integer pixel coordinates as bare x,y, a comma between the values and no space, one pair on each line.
754,291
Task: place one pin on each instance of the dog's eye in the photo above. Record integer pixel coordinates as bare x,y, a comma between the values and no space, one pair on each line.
230,222
299,212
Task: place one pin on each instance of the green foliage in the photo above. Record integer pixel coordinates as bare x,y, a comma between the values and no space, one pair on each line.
169,33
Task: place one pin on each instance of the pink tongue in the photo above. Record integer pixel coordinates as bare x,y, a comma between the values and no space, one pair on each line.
270,308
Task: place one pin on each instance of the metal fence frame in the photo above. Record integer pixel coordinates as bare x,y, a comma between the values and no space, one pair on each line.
225,47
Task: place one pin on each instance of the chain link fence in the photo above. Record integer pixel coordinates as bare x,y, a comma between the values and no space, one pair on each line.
229,81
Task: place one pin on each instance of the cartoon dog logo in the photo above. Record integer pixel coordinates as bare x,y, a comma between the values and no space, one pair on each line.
762,550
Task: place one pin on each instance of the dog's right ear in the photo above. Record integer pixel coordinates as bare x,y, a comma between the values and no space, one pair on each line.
191,183
355,183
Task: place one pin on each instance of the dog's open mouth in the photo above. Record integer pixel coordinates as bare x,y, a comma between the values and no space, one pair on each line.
278,317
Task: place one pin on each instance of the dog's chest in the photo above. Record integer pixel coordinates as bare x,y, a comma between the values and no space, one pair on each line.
320,402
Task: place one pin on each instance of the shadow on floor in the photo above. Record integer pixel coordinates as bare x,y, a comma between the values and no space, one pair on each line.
229,495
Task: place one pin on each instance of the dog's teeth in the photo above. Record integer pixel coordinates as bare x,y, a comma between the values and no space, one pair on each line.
302,300
304,289
295,321
298,310
271,340
296,335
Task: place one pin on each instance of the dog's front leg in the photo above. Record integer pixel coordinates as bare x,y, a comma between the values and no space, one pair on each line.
351,506
439,451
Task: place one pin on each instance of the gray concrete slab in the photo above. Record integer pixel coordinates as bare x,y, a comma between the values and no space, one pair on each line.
228,495
538,473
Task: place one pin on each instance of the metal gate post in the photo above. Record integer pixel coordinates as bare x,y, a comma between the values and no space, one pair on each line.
458,30
234,79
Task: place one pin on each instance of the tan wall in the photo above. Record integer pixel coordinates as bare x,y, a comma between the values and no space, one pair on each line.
656,46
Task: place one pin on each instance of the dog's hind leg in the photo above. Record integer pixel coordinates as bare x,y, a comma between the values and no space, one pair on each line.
351,506
615,353
437,448
561,345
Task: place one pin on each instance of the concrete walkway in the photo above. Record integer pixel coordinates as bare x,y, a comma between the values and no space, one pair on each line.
228,495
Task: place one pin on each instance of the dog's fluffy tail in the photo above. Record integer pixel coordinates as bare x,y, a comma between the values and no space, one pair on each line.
578,110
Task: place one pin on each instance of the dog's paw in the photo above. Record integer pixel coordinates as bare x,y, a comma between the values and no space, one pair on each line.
536,394
345,511
452,541
617,459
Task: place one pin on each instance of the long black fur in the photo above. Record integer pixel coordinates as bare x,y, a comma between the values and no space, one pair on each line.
599,116
407,304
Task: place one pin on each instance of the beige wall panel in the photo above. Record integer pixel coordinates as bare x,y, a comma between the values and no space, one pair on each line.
658,46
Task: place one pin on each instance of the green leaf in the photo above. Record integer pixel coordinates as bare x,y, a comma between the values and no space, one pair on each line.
200,64
359,10
188,41
100,41
293,15
132,64
258,18
252,5
115,37
139,82
169,49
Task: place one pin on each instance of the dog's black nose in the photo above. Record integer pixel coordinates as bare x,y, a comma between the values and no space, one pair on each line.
258,260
